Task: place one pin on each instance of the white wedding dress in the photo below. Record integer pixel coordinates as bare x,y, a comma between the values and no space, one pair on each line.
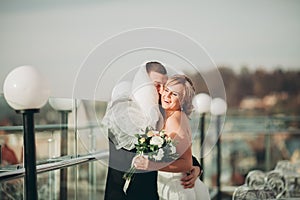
170,188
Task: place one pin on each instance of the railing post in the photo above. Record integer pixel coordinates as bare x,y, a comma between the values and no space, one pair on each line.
92,167
29,154
64,152
202,121
268,145
202,103
64,106
219,157
0,154
218,108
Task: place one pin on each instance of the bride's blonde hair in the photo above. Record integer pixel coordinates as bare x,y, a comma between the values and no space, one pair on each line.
188,93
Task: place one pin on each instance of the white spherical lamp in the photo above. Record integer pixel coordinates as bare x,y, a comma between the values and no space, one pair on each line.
26,91
62,104
201,103
218,106
25,88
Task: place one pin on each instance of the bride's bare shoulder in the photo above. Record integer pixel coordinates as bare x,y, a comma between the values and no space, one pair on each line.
174,116
175,120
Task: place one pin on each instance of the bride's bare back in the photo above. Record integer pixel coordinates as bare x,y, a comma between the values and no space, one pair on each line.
177,127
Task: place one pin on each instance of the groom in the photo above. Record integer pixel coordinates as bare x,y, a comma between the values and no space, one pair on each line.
143,185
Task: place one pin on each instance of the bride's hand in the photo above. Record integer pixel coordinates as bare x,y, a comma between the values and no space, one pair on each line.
141,162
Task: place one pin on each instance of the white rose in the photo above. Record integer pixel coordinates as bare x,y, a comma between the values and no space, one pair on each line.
156,140
173,149
160,155
161,133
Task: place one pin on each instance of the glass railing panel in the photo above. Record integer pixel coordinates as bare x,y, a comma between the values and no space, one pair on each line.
12,189
85,178
249,143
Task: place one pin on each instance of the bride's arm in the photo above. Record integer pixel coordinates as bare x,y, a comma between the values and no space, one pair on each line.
179,165
182,164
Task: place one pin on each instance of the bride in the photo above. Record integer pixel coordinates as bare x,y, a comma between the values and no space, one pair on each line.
176,100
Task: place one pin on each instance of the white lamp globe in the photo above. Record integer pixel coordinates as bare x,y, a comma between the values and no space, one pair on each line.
61,104
25,88
201,103
218,106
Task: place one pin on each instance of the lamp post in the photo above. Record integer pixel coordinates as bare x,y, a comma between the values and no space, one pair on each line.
201,103
26,91
64,106
218,107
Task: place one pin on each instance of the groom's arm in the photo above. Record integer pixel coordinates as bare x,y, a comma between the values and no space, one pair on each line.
197,168
195,162
188,181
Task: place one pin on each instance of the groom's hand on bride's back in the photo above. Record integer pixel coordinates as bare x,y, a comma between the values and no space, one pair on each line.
188,181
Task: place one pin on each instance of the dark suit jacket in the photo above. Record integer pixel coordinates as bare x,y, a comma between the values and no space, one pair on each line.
143,185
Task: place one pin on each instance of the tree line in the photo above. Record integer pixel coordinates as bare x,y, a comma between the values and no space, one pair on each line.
258,84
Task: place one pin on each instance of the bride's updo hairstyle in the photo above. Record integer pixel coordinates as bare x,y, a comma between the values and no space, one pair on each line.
188,93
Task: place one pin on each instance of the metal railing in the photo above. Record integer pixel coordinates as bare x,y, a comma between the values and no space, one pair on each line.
267,125
52,164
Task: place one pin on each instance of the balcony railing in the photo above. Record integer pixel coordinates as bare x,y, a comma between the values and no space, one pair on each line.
246,141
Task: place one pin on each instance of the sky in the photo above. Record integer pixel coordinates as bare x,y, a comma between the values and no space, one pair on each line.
57,37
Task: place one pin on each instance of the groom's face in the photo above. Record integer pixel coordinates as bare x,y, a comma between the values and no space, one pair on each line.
158,80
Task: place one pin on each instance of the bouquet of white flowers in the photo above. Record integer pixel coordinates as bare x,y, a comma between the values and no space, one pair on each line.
158,146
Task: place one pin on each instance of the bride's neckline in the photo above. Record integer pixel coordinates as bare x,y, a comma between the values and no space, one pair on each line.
170,113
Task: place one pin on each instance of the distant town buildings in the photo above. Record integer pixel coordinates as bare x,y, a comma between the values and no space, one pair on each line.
250,103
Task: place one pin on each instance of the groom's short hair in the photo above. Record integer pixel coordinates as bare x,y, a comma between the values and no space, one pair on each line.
155,67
